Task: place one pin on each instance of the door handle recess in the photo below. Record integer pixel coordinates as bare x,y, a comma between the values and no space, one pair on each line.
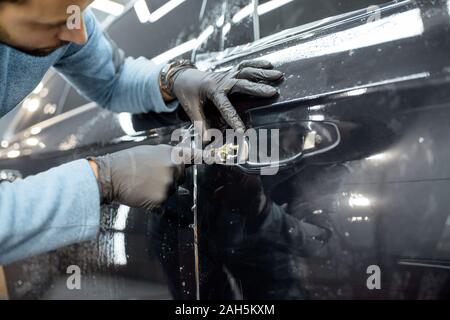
294,141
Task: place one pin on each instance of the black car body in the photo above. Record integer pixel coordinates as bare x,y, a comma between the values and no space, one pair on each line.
374,83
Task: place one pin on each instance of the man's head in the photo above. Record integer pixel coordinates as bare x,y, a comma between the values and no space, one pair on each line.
39,27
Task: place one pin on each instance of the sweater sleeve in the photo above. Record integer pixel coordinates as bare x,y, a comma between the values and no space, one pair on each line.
53,209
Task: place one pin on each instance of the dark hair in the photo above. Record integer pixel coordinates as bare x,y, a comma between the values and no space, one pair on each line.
12,1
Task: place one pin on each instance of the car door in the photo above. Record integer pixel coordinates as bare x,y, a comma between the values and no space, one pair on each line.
373,176
138,254
356,205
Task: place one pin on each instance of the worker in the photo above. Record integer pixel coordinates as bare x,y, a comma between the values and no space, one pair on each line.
61,206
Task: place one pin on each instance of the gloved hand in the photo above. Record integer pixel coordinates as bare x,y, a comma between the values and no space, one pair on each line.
193,88
140,177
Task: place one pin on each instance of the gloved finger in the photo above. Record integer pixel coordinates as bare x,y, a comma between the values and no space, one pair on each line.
261,64
197,116
254,89
228,111
257,74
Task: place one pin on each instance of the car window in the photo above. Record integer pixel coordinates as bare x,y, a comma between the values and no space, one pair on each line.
154,31
237,25
74,100
43,103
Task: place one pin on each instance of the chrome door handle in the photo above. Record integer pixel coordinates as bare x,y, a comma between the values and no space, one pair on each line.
10,175
294,141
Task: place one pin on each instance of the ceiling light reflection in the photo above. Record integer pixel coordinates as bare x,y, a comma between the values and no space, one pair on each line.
358,219
108,6
205,35
38,88
119,252
317,117
220,21
35,130
50,108
378,157
184,47
32,142
358,200
226,29
262,9
13,154
4,144
142,11
356,92
165,9
32,104
126,123
121,218
400,26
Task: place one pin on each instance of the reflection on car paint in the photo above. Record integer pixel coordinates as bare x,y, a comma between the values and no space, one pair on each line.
379,197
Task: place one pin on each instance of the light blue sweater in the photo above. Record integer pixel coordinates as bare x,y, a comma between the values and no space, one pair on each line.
61,206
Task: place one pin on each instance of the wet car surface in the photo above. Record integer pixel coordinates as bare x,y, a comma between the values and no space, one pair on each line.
372,84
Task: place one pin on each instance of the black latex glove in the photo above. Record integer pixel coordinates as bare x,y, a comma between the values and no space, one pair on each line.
141,177
194,88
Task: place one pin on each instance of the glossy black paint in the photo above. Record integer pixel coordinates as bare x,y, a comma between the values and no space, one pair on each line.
312,230
380,193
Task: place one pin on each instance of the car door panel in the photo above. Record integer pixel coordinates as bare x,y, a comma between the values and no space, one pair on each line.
131,242
377,197
319,226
